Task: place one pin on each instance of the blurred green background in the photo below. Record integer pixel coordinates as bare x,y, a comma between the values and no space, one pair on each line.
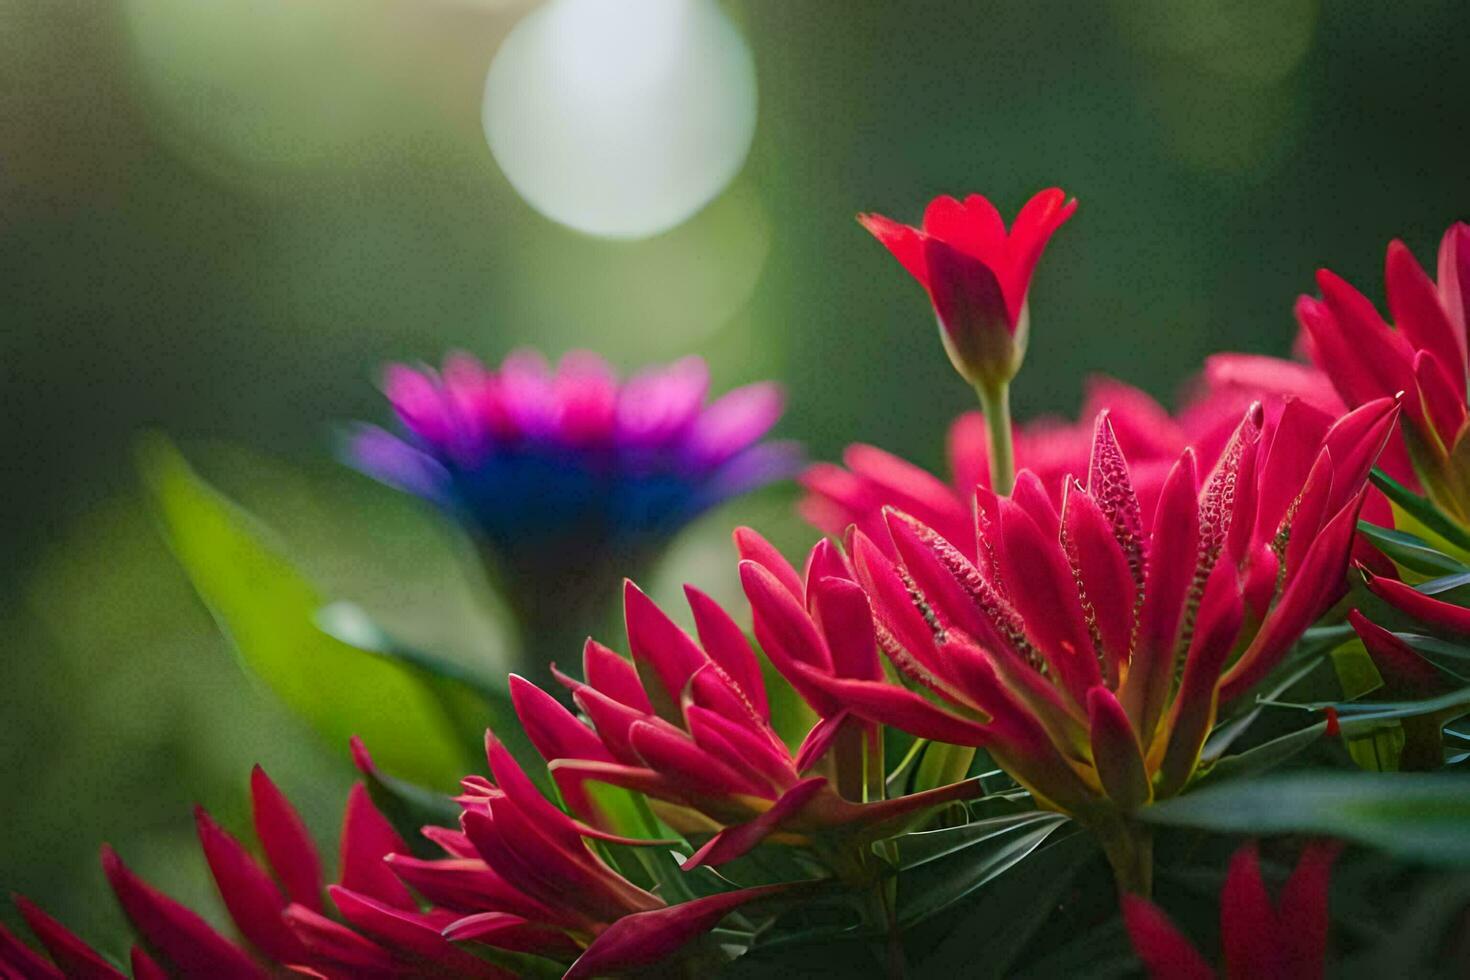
219,219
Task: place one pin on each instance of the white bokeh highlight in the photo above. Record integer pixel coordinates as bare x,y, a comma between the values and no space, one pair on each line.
621,118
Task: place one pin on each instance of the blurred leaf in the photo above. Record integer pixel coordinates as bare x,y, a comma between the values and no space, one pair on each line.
471,700
933,886
1410,551
1420,816
267,610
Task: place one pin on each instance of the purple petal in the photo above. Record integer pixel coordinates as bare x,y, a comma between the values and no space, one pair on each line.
733,422
662,402
388,459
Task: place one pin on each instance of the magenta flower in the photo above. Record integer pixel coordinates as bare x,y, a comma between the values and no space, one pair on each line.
977,274
1262,941
687,724
540,463
527,453
1087,647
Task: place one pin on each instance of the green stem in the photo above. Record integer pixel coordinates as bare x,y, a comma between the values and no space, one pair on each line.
995,402
1129,846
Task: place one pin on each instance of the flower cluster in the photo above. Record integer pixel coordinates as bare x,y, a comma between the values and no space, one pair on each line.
688,724
1086,621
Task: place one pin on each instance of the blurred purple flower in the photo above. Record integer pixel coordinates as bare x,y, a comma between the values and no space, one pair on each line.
542,463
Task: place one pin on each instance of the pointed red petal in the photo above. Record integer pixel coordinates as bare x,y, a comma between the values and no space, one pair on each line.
733,842
750,546
1103,573
1172,553
1115,750
1247,923
904,242
178,933
1044,590
725,642
24,962
614,676
1442,406
286,841
664,654
1110,485
339,945
367,837
669,751
400,930
253,901
1303,916
555,731
1432,612
645,938
847,623
1165,951
76,959
1404,671
785,632
1415,306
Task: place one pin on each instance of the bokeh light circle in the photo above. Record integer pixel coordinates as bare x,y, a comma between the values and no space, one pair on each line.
621,118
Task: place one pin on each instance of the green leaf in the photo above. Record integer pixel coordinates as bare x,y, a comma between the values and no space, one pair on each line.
1411,551
1419,817
1263,757
267,610
933,885
1422,510
1452,658
471,700
931,845
1007,912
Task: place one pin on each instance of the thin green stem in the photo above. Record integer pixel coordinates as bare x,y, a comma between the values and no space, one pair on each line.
1129,847
995,402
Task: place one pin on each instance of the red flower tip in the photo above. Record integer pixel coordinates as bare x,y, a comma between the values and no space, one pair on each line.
1334,725
977,273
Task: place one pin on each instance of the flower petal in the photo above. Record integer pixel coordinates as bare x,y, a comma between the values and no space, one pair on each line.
645,938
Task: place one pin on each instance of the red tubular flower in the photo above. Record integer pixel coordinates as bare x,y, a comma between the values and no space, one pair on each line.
1147,434
1088,646
1423,355
977,274
687,724
1261,942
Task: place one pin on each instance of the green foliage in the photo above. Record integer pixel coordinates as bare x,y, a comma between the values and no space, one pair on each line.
405,713
1420,817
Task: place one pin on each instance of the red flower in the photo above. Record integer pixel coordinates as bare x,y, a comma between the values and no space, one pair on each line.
1261,942
1423,354
977,274
1054,449
687,723
518,876
1088,646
